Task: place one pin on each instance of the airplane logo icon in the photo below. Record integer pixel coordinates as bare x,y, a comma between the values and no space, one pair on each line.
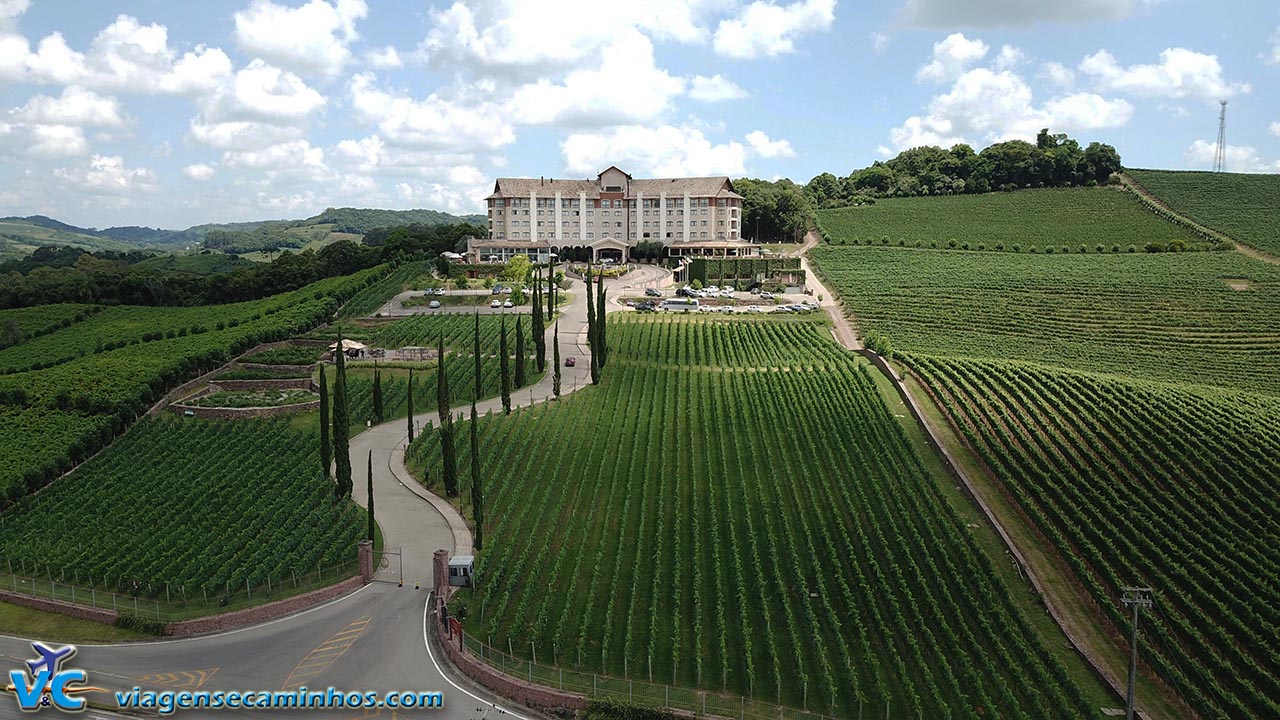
49,659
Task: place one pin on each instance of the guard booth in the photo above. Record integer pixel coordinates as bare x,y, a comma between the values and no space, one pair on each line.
461,568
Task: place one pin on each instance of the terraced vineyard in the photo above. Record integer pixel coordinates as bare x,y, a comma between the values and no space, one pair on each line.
1245,207
98,374
735,508
1162,316
19,324
129,514
1138,484
367,301
1079,220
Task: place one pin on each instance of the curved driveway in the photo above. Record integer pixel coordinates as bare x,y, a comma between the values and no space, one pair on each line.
371,639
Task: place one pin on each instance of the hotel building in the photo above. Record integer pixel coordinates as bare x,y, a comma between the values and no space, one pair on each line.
607,217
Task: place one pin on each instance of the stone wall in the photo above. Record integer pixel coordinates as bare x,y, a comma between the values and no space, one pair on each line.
243,413
83,612
275,368
303,383
254,615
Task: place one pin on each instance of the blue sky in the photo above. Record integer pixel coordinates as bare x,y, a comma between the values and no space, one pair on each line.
172,114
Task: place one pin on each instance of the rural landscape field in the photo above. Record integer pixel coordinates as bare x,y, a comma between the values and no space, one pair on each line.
748,359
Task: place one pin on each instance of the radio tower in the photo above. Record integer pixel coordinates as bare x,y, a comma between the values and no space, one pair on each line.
1220,159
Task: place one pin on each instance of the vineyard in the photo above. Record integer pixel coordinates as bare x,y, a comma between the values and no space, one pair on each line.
113,364
1139,484
367,301
1162,317
736,509
1079,220
1244,207
197,505
19,324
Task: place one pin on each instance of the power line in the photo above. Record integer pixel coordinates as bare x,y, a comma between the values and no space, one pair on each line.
1220,158
1137,598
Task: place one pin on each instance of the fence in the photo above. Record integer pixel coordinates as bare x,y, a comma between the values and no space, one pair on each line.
166,602
639,692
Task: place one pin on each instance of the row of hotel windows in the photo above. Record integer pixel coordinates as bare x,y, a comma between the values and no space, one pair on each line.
699,202
605,213
605,223
606,235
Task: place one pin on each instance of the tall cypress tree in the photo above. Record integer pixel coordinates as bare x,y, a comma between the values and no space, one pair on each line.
477,492
591,313
409,404
555,375
326,447
377,393
370,496
475,352
537,329
551,288
504,368
521,379
600,348
341,427
449,471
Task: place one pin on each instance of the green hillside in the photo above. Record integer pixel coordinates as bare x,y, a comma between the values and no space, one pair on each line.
1244,207
18,237
1070,220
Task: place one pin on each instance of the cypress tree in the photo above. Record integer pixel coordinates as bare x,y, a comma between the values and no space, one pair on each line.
591,313
477,493
521,379
409,405
555,375
537,328
475,352
370,507
377,393
504,368
551,289
600,346
326,447
448,473
341,427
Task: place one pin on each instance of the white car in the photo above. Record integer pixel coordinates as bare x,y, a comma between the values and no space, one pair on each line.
434,304
726,293
507,304
753,308
495,303
711,288
766,296
729,288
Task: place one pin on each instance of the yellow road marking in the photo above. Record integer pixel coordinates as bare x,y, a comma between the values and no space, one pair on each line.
325,654
184,679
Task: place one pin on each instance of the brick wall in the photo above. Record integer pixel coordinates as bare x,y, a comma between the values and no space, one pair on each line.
253,615
107,617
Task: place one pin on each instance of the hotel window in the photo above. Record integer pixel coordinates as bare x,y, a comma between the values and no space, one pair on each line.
604,234
590,224
704,223
591,236
704,234
589,213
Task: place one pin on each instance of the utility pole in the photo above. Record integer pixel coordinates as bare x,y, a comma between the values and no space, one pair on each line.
1137,598
1220,157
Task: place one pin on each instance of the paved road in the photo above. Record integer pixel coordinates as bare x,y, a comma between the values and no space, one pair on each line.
372,639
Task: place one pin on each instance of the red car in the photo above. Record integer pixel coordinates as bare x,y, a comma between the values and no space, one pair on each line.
570,361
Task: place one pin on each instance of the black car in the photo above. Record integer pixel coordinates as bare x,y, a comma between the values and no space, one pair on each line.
652,292
681,292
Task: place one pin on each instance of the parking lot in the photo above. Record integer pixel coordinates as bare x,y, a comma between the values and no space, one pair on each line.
714,299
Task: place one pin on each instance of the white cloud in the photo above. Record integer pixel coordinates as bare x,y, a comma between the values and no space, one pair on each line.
434,122
386,58
998,106
951,57
198,72
10,11
199,171
268,93
627,88
14,50
879,43
1275,129
442,196
767,29
764,147
43,141
107,175
240,134
75,106
1273,57
312,38
1058,74
1181,73
715,89
1202,153
947,14
1009,58
293,156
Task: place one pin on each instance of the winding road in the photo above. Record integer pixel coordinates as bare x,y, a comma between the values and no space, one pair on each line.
373,638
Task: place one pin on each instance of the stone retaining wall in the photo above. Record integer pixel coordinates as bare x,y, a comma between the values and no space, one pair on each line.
83,612
275,368
253,615
213,413
303,383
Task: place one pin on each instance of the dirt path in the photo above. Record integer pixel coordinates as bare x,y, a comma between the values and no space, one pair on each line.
1157,203
841,328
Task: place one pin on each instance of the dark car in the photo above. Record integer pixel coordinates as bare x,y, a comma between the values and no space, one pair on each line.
570,361
652,292
681,292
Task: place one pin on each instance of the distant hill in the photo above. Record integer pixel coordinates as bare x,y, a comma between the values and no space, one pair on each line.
20,235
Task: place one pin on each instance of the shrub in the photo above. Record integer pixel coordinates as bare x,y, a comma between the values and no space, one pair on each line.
1000,247
1177,245
1115,248
1017,247
1133,248
1154,247
951,243
1099,248
982,246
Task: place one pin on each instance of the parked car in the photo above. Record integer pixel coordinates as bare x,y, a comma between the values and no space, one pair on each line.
495,303
684,292
507,304
730,288
711,288
434,304
753,308
652,292
630,303
570,361
497,290
766,296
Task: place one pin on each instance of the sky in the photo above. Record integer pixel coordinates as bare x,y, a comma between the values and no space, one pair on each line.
171,114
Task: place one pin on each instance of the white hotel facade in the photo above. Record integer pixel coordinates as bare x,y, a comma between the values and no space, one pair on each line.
605,218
